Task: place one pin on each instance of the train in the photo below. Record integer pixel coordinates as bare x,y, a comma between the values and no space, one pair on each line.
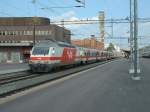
50,54
146,55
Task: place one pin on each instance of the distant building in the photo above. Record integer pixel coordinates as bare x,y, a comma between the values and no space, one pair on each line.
91,42
17,36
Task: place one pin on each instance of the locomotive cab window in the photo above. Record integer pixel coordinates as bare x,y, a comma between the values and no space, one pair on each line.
40,51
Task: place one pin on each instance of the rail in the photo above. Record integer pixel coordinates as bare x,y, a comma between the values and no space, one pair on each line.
10,85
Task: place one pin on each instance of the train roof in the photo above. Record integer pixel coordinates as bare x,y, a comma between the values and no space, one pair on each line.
63,44
46,43
53,43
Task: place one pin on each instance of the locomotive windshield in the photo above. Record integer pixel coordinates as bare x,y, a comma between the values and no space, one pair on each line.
40,51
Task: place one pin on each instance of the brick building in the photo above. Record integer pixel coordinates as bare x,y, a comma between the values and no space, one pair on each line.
17,36
91,42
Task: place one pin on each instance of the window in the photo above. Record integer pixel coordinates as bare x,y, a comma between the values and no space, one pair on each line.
42,32
24,33
11,33
36,32
6,33
3,33
0,33
46,32
40,51
16,32
28,33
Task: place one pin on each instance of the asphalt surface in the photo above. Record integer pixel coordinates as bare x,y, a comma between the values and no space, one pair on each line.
13,67
10,66
108,88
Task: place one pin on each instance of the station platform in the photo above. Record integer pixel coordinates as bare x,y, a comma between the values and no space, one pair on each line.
13,67
105,88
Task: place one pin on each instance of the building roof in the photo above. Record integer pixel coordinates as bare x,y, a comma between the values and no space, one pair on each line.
11,21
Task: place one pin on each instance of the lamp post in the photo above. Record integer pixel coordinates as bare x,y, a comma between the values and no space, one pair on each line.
35,22
34,35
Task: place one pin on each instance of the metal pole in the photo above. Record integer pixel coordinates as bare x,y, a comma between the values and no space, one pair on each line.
34,34
63,30
136,58
135,38
112,29
131,26
135,70
131,39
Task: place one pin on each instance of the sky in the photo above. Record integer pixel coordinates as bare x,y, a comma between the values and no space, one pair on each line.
115,9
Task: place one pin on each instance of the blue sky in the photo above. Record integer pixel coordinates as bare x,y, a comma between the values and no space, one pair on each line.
116,9
112,8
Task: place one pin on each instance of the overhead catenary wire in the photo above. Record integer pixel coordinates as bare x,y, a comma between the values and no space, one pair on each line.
43,5
90,21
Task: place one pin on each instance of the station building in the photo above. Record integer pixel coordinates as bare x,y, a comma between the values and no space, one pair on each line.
17,36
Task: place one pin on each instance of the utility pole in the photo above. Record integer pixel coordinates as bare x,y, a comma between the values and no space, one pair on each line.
131,38
135,70
135,39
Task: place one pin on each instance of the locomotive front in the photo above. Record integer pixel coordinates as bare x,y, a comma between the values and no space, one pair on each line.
40,57
38,60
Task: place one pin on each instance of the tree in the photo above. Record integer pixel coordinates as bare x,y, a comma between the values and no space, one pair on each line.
110,47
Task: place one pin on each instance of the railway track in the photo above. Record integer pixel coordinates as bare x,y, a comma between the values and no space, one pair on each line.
15,83
4,79
16,78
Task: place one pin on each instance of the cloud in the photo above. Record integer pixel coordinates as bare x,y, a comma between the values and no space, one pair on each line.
69,16
66,16
79,30
85,30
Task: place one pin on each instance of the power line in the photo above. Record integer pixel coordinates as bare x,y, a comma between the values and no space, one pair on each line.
56,4
90,21
42,5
